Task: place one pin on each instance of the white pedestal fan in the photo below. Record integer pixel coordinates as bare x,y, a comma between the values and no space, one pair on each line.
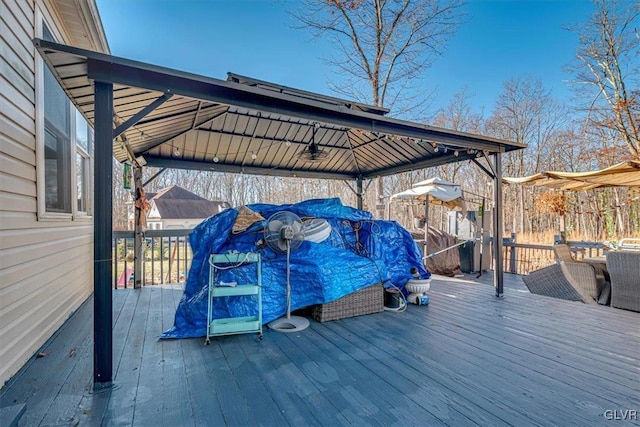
284,234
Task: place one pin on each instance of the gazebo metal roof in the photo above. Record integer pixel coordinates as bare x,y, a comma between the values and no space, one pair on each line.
180,120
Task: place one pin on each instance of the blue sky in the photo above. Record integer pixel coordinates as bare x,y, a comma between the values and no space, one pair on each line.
500,39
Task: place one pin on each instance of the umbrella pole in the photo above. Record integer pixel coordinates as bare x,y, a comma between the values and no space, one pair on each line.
426,227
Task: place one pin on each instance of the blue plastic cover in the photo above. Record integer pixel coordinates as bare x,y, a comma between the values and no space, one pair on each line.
360,252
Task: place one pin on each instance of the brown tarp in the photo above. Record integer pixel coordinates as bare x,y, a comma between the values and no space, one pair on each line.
446,263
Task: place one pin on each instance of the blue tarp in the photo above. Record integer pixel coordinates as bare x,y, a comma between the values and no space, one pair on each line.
360,252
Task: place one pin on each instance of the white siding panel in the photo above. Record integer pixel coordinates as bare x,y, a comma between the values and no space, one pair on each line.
12,26
23,16
13,64
16,97
46,266
16,185
17,116
18,134
17,150
39,319
18,169
16,203
46,232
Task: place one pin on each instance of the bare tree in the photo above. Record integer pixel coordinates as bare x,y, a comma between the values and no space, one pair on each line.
525,112
608,62
382,47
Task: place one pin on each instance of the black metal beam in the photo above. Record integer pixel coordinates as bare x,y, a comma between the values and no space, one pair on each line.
359,192
484,169
102,237
140,114
498,280
153,177
251,170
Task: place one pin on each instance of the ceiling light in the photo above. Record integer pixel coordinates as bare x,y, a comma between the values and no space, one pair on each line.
254,155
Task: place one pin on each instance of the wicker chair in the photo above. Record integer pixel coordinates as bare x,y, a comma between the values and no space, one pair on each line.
563,253
624,270
571,281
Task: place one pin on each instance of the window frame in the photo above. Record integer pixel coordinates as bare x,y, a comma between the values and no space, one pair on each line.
73,151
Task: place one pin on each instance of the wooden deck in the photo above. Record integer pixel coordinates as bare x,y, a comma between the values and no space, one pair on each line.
466,359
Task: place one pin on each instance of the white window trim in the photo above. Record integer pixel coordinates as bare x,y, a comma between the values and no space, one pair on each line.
42,213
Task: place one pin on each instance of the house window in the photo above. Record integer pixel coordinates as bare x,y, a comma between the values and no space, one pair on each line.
57,145
67,150
84,145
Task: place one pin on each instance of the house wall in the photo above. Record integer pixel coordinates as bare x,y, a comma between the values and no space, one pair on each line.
46,265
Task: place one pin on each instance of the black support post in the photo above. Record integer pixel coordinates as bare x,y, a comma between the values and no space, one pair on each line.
359,192
102,237
498,280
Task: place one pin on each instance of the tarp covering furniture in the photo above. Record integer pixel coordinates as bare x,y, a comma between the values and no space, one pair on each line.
360,252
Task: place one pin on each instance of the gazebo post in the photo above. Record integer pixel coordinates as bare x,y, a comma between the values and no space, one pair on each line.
498,280
137,227
359,192
102,237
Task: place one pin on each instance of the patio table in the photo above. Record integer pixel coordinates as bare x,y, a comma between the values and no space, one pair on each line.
599,264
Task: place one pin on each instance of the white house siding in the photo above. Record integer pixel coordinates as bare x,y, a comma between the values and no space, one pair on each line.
46,266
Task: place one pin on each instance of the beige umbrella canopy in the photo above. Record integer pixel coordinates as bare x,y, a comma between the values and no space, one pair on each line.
625,174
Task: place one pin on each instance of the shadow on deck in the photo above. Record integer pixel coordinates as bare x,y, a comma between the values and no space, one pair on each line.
466,359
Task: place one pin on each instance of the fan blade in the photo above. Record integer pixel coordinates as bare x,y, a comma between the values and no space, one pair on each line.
282,244
275,225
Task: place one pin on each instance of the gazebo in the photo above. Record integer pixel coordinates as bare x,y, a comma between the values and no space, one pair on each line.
150,115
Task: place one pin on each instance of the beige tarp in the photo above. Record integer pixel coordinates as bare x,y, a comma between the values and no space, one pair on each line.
625,174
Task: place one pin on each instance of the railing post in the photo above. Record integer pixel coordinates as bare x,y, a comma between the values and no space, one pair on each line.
513,267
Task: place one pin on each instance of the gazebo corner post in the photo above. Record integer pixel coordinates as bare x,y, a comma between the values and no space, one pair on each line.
103,237
359,204
425,249
498,280
137,227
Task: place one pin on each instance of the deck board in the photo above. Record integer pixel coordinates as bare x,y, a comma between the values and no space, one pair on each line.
467,358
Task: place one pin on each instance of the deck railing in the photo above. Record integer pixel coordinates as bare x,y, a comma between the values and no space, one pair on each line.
522,258
166,257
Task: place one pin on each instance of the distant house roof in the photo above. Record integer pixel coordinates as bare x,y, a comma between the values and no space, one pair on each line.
177,203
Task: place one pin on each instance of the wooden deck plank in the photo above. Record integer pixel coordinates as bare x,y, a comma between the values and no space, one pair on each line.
41,384
287,403
577,355
249,380
330,362
466,359
287,378
611,348
127,361
475,365
174,393
427,377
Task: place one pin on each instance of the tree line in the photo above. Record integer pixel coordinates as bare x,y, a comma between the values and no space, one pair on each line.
380,45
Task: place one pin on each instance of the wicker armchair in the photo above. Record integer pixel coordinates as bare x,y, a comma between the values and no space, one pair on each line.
563,253
571,281
624,271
